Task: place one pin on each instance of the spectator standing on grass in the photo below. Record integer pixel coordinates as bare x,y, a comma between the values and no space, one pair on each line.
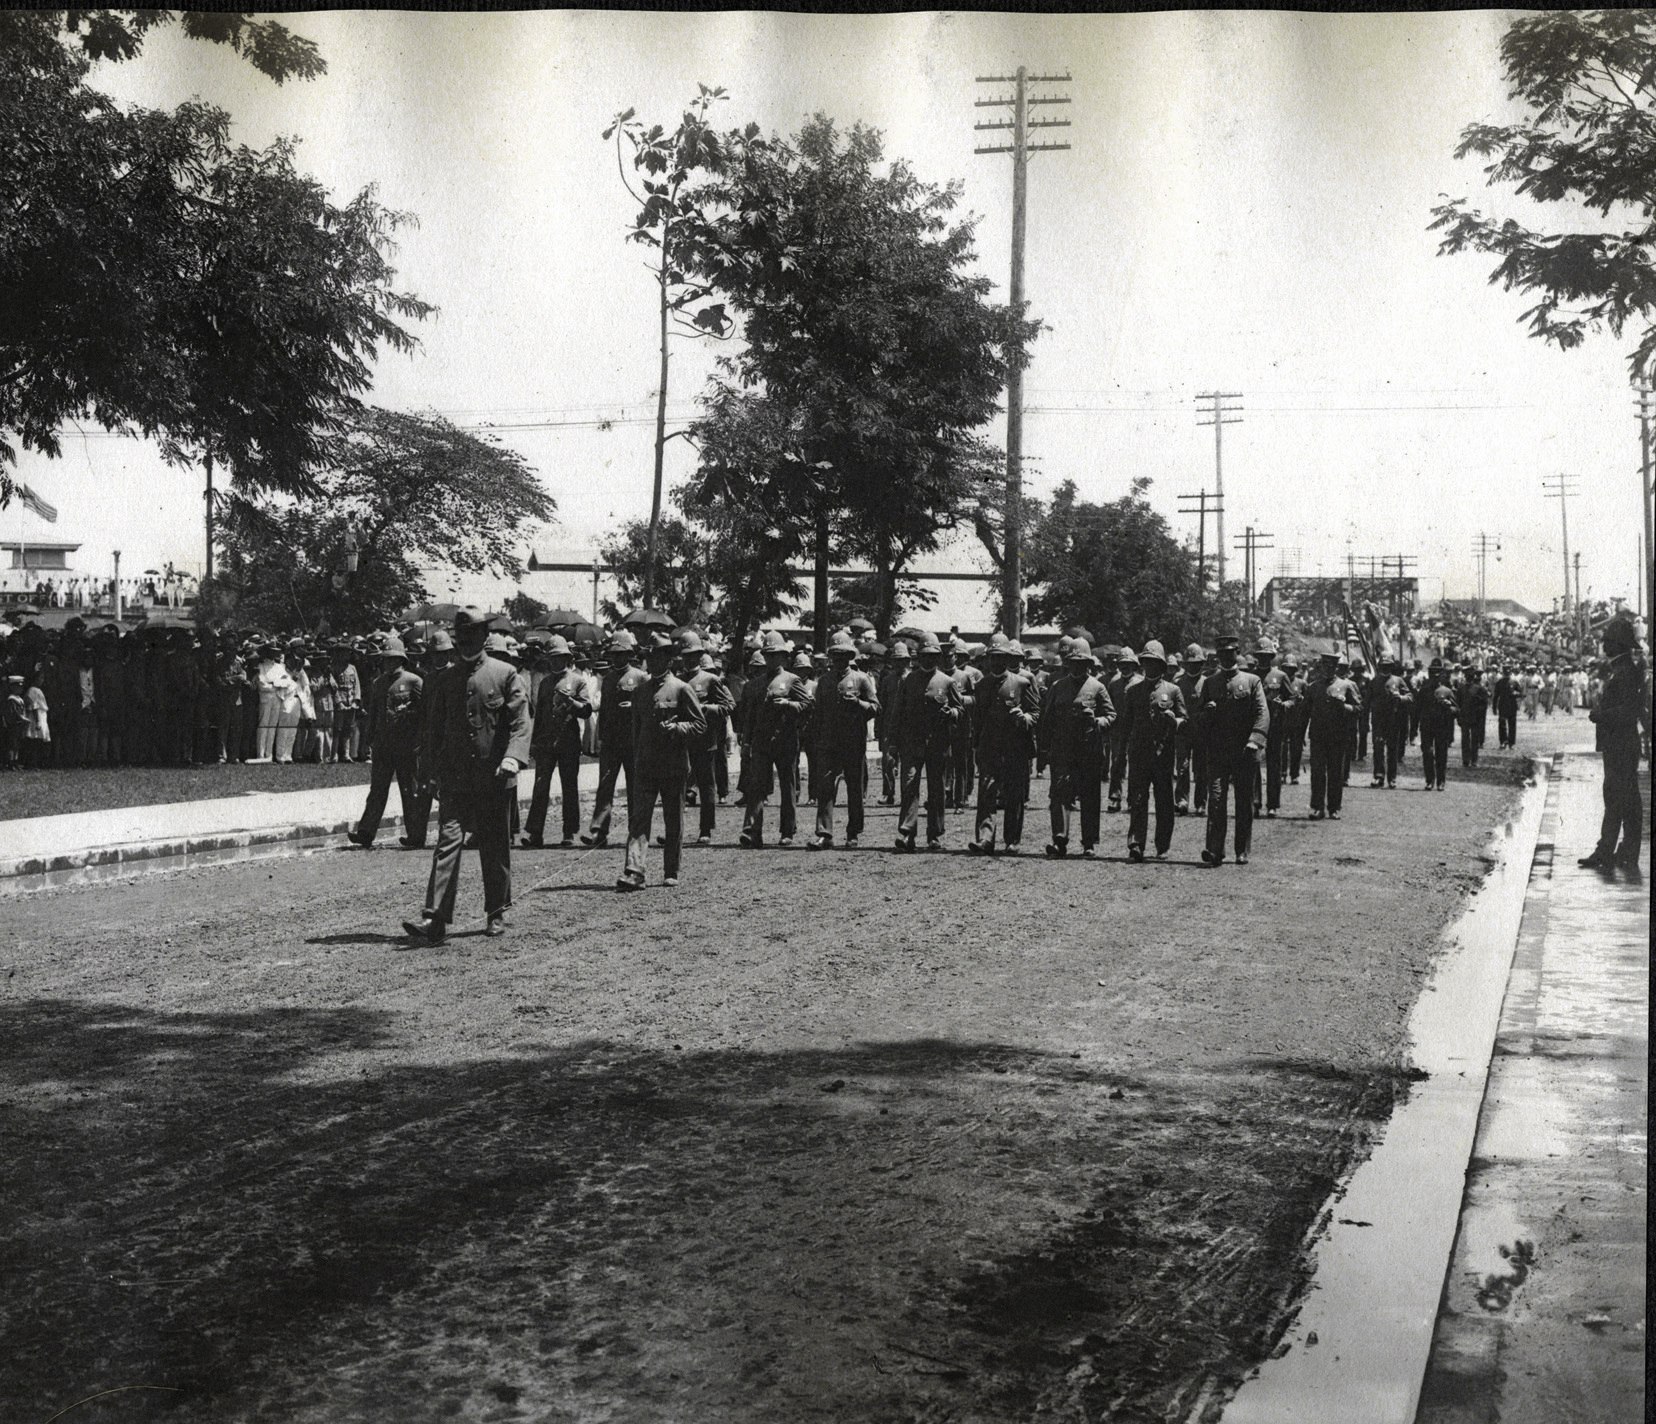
14,718
274,683
324,696
37,727
229,679
347,703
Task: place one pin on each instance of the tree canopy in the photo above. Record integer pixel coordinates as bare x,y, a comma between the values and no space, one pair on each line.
1588,79
156,278
870,353
407,492
1114,568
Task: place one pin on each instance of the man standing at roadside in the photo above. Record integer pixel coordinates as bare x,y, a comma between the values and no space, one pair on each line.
1622,724
477,740
1235,723
667,722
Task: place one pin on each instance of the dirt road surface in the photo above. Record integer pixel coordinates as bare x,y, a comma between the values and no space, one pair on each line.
833,1137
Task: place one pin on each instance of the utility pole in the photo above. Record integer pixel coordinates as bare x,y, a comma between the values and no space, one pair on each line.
1218,414
1483,545
1020,124
1581,613
1251,542
117,599
1561,487
1205,505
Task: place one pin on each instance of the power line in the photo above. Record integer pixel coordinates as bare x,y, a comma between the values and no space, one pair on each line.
1483,545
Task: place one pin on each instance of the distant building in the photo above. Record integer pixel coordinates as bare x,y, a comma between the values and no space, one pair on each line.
1320,598
1494,607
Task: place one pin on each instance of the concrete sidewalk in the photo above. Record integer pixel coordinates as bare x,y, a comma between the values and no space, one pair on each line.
1543,1312
48,845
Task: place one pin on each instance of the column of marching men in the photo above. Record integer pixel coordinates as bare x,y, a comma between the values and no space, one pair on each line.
1218,733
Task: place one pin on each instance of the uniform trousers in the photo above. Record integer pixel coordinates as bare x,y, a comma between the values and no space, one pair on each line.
850,765
1230,771
1624,815
1076,784
1190,775
962,766
490,824
1388,747
644,791
1434,752
933,762
1506,727
1149,773
705,764
612,761
388,764
719,756
417,814
1117,772
888,774
565,759
1472,740
1328,751
1003,785
1276,756
775,769
1296,746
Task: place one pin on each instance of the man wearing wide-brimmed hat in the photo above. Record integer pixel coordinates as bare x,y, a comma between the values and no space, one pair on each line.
562,709
476,742
846,701
1152,713
615,730
1235,723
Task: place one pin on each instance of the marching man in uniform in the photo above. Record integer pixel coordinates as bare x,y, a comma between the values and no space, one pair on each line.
476,741
1009,708
1152,712
1234,722
846,702
1075,720
565,702
667,722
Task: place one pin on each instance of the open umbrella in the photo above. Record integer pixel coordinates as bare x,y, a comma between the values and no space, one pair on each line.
435,612
860,625
909,631
499,623
648,618
1075,630
557,618
582,633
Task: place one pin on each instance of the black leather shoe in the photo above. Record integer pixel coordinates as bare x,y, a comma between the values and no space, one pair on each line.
1210,859
426,929
497,926
356,838
408,844
1598,860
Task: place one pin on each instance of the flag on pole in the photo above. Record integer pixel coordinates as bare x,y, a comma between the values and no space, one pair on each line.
36,505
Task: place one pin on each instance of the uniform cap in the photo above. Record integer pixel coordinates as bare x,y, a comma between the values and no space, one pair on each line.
468,617
998,641
842,644
1359,664
756,659
776,643
496,643
660,639
706,664
1064,645
1618,634
1265,648
689,641
392,647
1079,651
621,641
875,650
440,642
557,646
1110,650
802,661
1153,652
1128,658
1194,653
1290,663
1437,665
899,651
1226,640
958,647
929,644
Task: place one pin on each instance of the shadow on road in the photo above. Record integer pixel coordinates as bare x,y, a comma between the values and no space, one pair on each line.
299,1214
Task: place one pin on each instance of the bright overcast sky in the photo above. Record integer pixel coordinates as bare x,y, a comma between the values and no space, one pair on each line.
1245,207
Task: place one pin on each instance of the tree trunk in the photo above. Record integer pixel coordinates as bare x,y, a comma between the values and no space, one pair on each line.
660,433
885,595
819,633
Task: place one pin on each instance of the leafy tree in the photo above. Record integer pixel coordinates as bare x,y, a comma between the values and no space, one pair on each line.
676,570
400,492
1115,568
157,279
671,171
523,609
873,345
1586,76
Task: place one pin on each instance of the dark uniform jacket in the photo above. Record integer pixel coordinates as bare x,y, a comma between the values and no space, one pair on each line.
1439,708
1282,695
1474,705
394,721
717,702
1189,683
928,706
1334,708
1075,718
562,704
615,710
783,706
1009,710
845,706
1233,713
667,721
1506,695
1151,715
479,717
